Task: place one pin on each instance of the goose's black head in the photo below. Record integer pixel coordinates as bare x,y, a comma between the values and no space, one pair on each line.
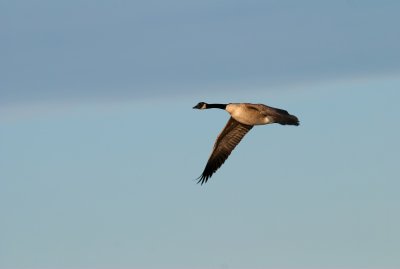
201,105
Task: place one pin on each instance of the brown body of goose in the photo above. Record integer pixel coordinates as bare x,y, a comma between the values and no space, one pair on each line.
243,117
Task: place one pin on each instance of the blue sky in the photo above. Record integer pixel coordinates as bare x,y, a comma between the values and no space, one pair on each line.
100,146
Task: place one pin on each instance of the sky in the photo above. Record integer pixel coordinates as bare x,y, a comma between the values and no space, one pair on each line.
100,147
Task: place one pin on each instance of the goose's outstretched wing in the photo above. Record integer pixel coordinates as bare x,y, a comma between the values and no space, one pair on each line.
226,141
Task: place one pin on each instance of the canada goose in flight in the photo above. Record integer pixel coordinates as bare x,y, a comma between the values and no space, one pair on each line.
243,117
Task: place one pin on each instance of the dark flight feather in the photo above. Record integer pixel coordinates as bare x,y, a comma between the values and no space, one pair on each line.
227,140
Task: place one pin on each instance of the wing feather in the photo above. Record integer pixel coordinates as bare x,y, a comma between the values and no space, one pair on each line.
226,141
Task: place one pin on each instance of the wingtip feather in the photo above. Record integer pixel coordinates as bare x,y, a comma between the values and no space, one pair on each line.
202,179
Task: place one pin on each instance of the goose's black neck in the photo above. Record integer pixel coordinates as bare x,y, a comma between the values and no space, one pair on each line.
220,106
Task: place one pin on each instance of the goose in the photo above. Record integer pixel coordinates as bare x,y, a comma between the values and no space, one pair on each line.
243,117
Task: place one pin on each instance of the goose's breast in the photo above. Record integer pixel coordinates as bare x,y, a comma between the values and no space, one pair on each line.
247,115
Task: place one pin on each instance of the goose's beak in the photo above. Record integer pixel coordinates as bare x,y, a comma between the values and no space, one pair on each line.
199,105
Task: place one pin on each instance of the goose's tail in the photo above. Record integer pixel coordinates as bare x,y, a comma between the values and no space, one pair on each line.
284,118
